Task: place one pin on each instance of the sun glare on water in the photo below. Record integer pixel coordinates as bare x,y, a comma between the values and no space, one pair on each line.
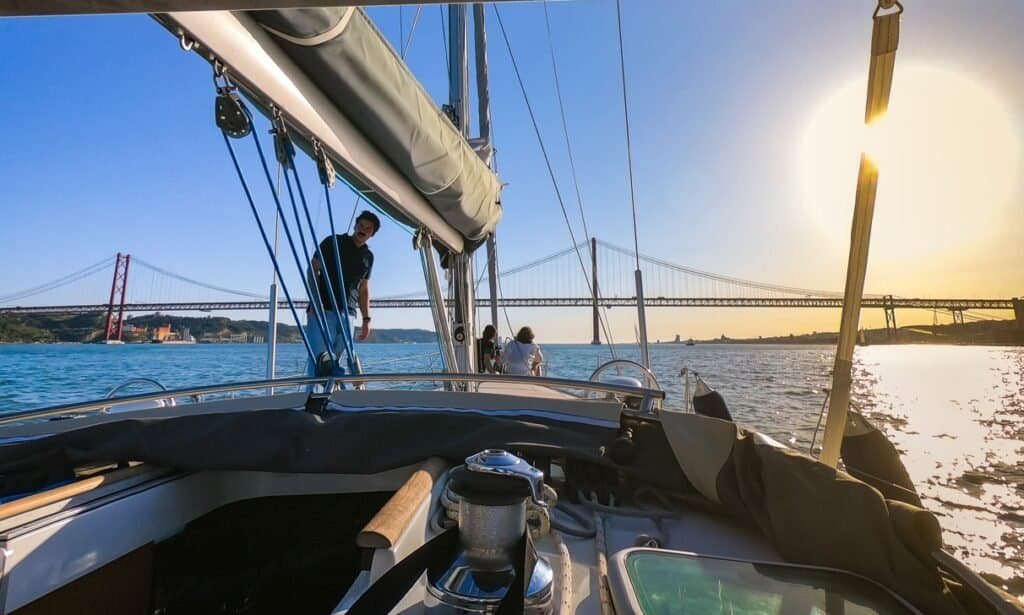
947,156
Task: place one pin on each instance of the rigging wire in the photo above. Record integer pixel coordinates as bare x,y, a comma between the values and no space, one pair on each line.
629,146
355,206
565,123
444,42
544,152
572,159
412,30
504,309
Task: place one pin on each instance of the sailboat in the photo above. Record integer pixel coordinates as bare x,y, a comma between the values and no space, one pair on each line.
484,494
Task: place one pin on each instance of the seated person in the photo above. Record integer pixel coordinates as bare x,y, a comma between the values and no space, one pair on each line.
521,356
487,351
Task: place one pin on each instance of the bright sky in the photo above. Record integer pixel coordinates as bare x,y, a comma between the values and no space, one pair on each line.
745,148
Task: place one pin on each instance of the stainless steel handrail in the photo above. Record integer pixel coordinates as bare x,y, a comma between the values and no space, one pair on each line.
649,395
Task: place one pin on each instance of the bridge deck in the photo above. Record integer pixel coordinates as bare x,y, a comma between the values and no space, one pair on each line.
752,302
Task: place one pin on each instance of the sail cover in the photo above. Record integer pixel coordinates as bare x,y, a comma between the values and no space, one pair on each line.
339,81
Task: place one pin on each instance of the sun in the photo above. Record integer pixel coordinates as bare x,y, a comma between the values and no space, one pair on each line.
947,154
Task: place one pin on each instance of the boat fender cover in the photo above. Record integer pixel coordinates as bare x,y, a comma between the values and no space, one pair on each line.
869,456
712,404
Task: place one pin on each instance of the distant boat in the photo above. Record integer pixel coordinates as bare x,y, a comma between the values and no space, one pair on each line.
690,342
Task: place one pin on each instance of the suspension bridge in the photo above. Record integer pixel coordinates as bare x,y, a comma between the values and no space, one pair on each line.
560,279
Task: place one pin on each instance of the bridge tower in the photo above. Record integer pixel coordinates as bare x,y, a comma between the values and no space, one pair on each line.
1018,312
593,272
958,315
118,292
890,317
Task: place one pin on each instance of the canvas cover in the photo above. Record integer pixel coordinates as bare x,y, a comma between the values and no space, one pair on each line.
811,513
342,52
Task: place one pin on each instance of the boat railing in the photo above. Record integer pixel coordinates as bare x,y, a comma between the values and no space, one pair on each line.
650,400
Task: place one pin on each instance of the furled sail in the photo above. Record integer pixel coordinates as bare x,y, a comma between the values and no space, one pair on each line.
335,76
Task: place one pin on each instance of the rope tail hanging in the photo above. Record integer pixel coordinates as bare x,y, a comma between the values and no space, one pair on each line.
235,122
284,150
341,329
327,176
885,37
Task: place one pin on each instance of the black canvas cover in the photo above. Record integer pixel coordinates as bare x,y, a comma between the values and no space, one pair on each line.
812,513
292,440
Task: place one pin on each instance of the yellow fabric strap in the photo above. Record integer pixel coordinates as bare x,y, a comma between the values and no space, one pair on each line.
885,38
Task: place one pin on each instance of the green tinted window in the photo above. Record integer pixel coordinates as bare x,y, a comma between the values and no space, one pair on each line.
670,583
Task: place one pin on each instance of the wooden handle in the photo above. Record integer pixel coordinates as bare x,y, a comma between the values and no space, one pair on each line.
384,530
43,498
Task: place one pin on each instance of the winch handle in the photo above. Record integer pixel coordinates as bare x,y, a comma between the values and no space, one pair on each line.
502,463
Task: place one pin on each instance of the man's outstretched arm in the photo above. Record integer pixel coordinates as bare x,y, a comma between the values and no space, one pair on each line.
364,307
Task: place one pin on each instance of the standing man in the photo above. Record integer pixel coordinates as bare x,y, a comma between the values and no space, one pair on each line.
353,285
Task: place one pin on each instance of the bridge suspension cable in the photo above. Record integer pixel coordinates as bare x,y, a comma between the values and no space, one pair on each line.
241,293
793,290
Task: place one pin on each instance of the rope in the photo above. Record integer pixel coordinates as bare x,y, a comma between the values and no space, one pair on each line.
601,549
547,159
290,153
821,413
263,232
291,243
343,320
566,599
284,147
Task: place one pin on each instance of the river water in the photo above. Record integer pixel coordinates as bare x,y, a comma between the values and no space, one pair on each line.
956,413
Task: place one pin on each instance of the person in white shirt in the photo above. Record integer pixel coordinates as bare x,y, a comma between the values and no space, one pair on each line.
521,357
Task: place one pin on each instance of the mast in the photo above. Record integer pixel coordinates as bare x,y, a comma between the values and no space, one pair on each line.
463,327
483,144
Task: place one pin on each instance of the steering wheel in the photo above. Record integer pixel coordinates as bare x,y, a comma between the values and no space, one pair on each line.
649,380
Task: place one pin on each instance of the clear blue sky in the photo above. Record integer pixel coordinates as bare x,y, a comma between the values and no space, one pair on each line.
109,145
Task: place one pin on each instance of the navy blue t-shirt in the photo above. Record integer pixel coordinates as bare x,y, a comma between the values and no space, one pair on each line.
356,265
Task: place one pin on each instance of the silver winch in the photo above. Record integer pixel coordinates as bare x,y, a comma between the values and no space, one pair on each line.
493,488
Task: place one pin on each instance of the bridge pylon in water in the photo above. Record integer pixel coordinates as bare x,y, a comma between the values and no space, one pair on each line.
118,292
890,316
